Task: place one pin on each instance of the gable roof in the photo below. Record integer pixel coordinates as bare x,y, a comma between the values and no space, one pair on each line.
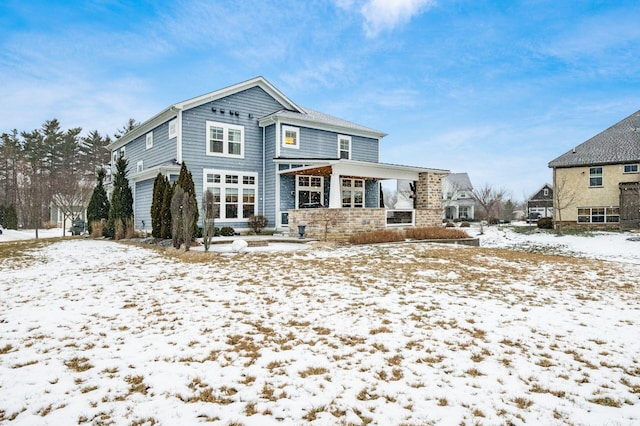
618,144
546,185
458,181
172,111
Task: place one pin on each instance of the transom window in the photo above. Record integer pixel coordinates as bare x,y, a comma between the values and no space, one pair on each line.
233,192
225,140
598,215
290,137
352,193
631,168
595,176
344,147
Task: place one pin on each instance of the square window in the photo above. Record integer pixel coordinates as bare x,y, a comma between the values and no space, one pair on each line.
225,140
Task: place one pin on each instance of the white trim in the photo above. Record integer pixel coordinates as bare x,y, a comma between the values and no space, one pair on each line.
179,138
291,129
240,186
313,124
340,139
225,139
140,166
149,140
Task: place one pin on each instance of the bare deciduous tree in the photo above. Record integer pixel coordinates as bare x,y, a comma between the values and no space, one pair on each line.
490,199
563,197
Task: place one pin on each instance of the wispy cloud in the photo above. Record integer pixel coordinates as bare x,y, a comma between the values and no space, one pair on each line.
384,15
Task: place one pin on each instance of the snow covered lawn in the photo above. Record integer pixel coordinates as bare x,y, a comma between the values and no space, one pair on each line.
97,332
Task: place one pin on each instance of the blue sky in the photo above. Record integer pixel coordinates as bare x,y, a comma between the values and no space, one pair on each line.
496,89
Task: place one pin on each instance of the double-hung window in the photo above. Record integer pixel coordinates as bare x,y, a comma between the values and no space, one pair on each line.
225,140
234,193
344,147
290,137
595,176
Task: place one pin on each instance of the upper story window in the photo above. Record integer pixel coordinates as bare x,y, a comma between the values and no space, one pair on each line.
595,176
631,168
139,166
344,147
290,137
149,140
173,128
545,192
225,140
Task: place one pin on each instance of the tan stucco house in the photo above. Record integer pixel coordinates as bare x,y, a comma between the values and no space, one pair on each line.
598,181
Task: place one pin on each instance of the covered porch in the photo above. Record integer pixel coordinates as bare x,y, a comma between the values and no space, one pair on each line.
342,197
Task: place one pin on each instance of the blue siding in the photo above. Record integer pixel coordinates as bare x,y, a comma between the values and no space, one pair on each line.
316,143
142,205
254,101
270,179
163,150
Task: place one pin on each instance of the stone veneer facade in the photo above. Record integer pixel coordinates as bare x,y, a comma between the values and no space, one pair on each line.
340,224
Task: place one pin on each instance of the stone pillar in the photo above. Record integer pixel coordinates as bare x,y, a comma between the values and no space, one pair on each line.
429,199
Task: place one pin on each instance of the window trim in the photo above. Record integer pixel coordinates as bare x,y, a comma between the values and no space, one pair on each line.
240,186
625,171
139,166
595,175
340,150
607,212
149,140
296,130
353,189
225,139
310,188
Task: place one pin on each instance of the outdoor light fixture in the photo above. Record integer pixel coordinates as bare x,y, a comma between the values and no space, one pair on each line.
213,109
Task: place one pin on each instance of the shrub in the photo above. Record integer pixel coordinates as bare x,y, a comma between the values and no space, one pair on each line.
227,231
435,233
465,224
216,231
382,236
545,223
450,225
96,228
494,221
257,223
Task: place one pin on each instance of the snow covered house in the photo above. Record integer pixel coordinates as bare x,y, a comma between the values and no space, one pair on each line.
260,153
457,197
598,181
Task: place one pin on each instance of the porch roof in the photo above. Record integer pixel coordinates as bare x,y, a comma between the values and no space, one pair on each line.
353,168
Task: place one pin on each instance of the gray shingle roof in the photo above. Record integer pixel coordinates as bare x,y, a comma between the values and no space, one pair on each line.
313,116
618,144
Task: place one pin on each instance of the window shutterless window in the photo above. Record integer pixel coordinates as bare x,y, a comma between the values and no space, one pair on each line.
233,193
173,128
595,176
290,137
225,140
149,140
598,215
344,147
352,193
631,168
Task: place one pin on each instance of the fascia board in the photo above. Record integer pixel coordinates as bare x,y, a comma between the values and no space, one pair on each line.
312,124
145,127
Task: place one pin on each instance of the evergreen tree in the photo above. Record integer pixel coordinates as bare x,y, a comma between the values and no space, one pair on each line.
10,217
98,207
165,227
121,209
156,206
185,181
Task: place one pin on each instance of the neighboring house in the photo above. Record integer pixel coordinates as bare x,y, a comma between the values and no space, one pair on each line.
457,197
540,204
597,182
260,153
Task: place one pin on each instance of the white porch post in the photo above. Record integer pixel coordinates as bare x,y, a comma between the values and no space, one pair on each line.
335,200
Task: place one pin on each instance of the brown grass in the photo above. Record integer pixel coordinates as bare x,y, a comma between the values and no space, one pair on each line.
373,237
434,233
